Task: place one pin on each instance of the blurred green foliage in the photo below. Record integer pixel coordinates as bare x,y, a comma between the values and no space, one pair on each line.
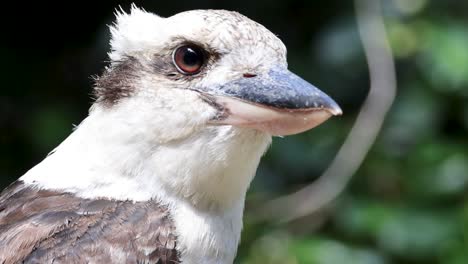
408,203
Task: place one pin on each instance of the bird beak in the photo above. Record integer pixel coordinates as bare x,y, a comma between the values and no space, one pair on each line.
279,103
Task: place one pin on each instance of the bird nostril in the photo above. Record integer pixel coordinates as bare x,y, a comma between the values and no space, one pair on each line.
249,75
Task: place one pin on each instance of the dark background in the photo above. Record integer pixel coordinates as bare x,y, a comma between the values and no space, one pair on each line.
408,201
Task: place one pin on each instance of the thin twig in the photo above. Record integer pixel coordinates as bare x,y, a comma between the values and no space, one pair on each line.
365,130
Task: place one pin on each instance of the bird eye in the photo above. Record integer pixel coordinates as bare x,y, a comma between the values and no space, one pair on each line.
189,59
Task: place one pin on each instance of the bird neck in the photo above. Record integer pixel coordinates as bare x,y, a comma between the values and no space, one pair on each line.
110,156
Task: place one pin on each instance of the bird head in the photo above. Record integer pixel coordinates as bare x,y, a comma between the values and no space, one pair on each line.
214,68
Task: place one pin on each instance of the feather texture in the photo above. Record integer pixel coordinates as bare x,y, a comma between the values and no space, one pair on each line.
40,226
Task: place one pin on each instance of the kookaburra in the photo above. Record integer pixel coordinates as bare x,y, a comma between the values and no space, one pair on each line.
158,171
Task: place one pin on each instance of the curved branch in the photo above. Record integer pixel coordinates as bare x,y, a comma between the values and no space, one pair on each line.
365,130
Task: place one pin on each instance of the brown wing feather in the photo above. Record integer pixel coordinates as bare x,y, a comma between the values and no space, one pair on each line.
39,226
